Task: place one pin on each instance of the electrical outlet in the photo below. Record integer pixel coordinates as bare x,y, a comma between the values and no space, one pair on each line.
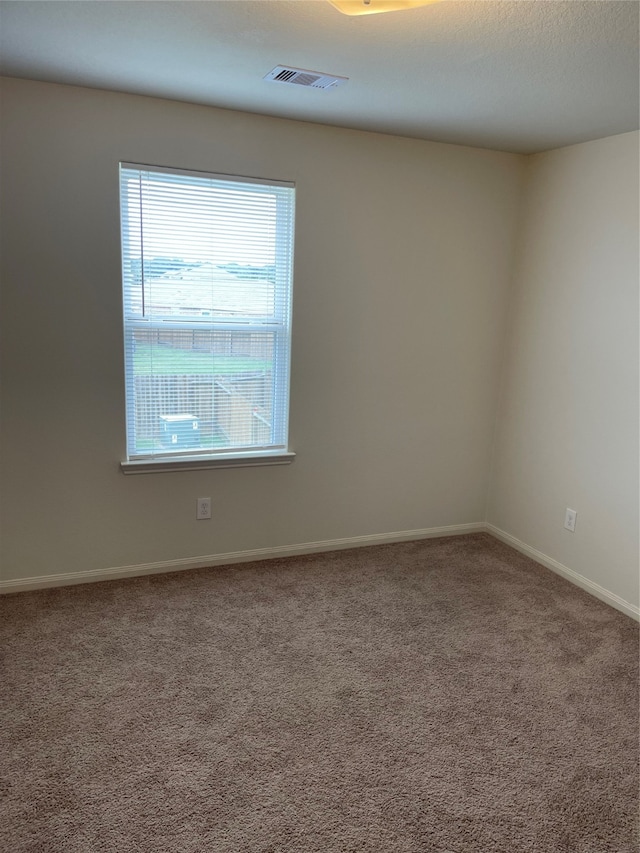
203,509
570,520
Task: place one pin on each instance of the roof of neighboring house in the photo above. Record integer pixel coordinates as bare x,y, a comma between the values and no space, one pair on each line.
208,290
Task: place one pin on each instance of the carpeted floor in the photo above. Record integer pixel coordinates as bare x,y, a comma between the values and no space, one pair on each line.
446,695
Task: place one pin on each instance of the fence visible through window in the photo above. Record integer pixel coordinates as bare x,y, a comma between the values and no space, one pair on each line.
229,396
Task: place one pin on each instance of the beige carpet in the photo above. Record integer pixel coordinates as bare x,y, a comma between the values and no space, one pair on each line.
446,695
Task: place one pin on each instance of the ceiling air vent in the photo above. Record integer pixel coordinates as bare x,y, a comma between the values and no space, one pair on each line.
302,77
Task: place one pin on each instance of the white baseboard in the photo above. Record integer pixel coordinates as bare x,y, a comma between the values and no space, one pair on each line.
44,581
549,563
211,560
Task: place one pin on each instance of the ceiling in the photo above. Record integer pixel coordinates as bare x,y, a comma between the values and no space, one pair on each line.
513,75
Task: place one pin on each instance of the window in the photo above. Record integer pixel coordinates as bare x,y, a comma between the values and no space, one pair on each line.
207,269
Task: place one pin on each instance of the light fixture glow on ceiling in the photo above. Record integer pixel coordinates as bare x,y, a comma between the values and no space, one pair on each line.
372,7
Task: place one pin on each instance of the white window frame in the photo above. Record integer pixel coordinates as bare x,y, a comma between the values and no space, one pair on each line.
276,453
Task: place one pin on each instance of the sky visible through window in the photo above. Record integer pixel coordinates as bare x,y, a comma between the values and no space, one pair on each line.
200,223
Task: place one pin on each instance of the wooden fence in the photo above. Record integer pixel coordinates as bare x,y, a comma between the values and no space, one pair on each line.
252,344
233,412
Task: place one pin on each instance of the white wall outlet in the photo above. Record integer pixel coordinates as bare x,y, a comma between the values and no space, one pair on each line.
203,508
570,519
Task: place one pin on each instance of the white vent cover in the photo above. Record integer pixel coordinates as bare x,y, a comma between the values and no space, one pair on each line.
302,77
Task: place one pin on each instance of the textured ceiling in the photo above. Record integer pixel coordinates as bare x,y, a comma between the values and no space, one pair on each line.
524,76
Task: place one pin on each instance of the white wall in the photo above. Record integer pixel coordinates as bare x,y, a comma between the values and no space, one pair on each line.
568,420
403,262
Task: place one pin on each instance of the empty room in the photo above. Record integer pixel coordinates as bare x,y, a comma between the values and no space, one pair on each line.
319,485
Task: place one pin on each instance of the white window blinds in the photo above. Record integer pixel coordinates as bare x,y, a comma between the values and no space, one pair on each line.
207,268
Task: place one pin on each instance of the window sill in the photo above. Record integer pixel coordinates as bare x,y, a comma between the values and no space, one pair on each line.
197,463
